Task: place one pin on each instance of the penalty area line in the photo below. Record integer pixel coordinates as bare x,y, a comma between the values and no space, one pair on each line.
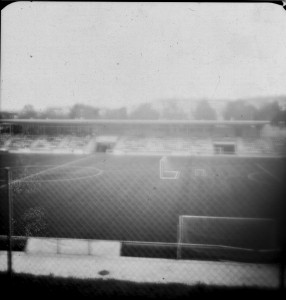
46,170
269,173
163,172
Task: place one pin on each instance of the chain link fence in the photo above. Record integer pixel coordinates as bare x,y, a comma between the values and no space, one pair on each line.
121,217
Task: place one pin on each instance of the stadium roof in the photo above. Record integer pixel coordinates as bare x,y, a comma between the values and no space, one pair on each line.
121,122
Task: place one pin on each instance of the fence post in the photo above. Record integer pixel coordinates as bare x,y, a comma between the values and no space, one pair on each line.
179,239
282,260
10,221
282,275
282,231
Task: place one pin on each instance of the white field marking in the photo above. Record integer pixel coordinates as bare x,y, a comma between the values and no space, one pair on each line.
252,177
269,173
200,172
181,243
190,245
163,171
227,247
68,179
47,170
154,243
184,217
228,218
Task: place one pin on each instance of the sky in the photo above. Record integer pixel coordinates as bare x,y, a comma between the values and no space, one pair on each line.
109,54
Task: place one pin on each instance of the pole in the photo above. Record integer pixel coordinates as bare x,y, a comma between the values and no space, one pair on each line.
282,239
10,224
282,264
282,272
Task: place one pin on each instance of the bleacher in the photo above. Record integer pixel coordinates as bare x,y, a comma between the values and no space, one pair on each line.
153,145
46,144
202,146
41,144
75,144
255,147
198,146
271,145
19,143
279,145
55,141
4,141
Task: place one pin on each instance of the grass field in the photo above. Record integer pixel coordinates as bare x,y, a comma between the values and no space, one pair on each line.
123,197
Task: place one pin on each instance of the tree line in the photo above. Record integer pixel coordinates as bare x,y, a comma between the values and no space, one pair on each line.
233,110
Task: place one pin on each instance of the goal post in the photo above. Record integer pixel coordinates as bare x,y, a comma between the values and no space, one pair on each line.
229,238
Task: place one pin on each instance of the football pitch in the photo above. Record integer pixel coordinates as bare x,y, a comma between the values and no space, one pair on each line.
125,198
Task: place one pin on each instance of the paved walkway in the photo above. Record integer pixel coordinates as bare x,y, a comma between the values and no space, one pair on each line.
144,269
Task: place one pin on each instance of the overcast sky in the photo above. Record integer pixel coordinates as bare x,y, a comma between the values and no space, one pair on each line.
115,54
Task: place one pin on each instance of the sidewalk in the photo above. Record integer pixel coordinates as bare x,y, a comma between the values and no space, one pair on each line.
148,270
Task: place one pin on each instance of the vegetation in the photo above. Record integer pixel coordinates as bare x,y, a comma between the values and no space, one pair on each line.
204,111
18,243
172,111
144,112
33,222
119,114
241,109
81,111
28,112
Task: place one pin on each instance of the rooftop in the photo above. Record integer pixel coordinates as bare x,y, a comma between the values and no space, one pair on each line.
127,122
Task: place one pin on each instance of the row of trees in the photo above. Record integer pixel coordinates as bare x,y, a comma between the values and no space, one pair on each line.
234,110
145,111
